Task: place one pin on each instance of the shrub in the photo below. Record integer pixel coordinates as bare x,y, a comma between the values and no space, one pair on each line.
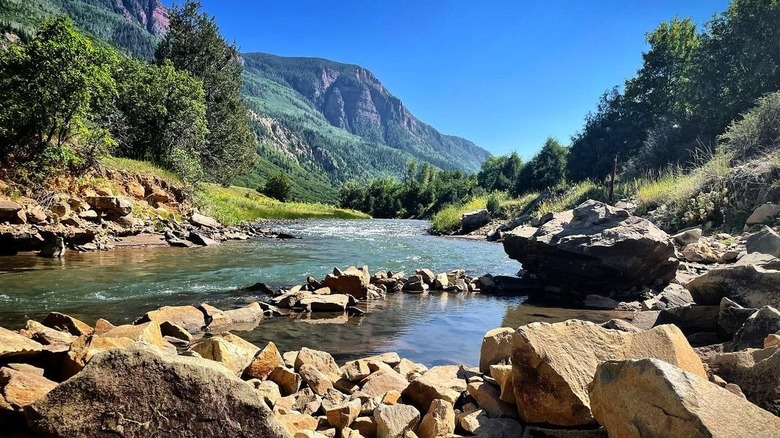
756,132
493,203
278,187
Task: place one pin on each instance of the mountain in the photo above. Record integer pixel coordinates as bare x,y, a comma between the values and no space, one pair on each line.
320,121
134,26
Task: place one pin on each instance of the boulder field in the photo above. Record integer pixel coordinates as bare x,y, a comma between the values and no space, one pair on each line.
64,378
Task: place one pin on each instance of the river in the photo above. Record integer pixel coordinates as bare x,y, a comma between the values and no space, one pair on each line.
433,329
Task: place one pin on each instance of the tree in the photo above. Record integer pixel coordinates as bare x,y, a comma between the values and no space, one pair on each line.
47,90
160,116
194,43
278,187
546,169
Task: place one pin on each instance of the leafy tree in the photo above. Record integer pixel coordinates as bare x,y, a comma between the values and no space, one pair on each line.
194,43
160,116
546,169
500,173
47,90
278,187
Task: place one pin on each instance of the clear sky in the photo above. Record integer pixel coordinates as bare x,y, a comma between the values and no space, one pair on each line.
504,74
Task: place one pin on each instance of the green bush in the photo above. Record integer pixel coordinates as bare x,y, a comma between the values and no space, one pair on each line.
493,203
757,132
278,187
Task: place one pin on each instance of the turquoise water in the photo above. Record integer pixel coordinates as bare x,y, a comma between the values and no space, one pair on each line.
122,285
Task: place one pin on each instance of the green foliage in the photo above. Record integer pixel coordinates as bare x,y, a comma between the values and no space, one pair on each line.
159,115
500,173
545,170
48,88
194,44
493,203
278,187
757,132
448,219
233,205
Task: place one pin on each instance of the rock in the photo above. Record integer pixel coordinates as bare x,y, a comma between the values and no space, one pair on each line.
409,369
231,351
66,323
316,380
731,317
765,261
320,360
53,247
356,370
111,205
764,214
765,241
249,315
553,364
602,248
747,285
475,219
267,390
757,372
488,398
479,424
366,426
593,301
544,432
439,382
621,325
202,221
353,281
198,400
188,317
439,422
325,303
771,340
649,397
288,380
19,388
148,332
84,348
502,374
36,215
687,237
296,422
201,239
264,362
691,318
380,383
757,327
343,415
393,421
496,348
675,295
699,252
55,340
441,282
8,209
13,345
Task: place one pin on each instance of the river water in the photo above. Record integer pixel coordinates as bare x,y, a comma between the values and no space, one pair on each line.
433,329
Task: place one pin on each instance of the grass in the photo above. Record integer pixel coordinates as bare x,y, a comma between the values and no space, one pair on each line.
141,167
448,219
233,205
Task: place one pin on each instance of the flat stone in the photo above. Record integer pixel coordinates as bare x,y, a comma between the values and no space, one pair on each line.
14,345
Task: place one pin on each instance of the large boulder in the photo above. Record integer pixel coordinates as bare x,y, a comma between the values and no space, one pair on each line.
111,205
764,214
19,389
731,317
475,219
14,345
496,348
602,248
747,285
756,372
554,363
651,398
203,221
8,209
188,317
443,382
138,392
352,281
765,241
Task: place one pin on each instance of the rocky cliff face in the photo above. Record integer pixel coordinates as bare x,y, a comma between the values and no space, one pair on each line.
351,98
149,14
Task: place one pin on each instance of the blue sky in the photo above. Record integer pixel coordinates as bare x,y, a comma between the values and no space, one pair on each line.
504,74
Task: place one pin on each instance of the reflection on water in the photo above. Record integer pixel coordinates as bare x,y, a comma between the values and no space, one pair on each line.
124,284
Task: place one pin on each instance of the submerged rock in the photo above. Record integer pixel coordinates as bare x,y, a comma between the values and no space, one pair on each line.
651,398
602,248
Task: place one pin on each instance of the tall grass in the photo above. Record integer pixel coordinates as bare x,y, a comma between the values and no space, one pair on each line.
447,219
140,167
233,205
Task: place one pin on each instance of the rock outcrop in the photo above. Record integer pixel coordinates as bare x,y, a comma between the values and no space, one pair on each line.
601,249
651,398
747,285
138,392
554,363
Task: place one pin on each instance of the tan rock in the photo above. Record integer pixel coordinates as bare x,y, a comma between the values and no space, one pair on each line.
352,281
488,398
267,390
502,374
13,344
102,326
356,370
439,421
651,398
393,421
295,422
148,332
316,380
306,401
440,382
366,426
288,380
289,358
409,369
66,323
188,317
699,252
343,416
19,388
771,341
379,383
47,335
135,190
321,360
496,348
478,423
264,362
229,350
553,364
85,347
390,398
26,368
757,372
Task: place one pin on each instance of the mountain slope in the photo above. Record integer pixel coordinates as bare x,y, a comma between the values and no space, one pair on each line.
134,26
352,98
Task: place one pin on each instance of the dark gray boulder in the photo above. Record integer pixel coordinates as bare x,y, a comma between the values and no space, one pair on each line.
473,220
765,241
747,285
764,322
731,317
137,392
